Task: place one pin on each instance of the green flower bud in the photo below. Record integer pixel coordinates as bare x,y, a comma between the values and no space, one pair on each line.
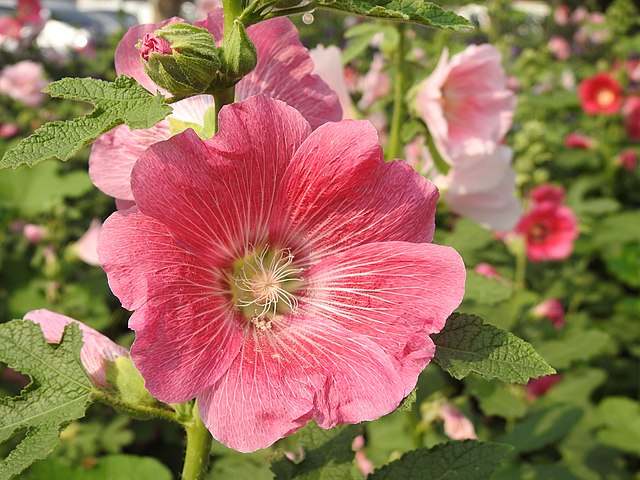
238,57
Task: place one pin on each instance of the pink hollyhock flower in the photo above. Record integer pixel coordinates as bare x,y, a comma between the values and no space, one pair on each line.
561,15
375,84
364,464
487,270
9,130
34,233
547,193
23,82
465,102
10,28
600,93
576,140
628,160
153,44
456,425
579,15
203,7
327,63
283,72
274,277
87,245
552,310
549,228
29,12
559,47
631,111
540,386
96,351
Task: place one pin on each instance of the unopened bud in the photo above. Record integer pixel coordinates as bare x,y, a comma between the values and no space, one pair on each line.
153,44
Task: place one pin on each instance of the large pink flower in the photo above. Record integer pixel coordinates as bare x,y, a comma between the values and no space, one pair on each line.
280,274
23,82
284,71
465,102
549,227
96,350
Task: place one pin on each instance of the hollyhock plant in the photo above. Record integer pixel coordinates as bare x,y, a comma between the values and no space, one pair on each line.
96,351
549,228
456,425
23,82
600,94
552,310
327,63
465,102
284,71
275,278
628,159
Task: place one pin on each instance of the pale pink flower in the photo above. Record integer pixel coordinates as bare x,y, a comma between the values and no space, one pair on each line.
87,245
559,47
363,463
280,274
487,270
375,84
465,102
34,233
540,386
552,310
284,71
9,130
561,15
549,227
203,7
23,82
96,351
456,425
327,63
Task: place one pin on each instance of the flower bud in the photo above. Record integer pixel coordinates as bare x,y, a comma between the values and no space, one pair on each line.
238,57
181,58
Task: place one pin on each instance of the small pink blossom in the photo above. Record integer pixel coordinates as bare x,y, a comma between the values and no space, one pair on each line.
284,71
375,84
487,270
465,102
577,140
96,351
628,159
271,264
23,82
559,47
9,130
549,228
87,245
151,43
34,233
364,464
552,310
561,15
579,15
540,386
456,425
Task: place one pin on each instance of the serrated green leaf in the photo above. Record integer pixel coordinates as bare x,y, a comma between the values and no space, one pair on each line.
328,454
543,428
621,417
485,290
416,11
574,347
59,393
407,404
467,345
454,461
122,101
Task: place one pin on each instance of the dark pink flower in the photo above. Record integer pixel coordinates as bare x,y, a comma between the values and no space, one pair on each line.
284,71
549,228
552,310
576,140
559,47
151,43
96,351
465,102
10,28
23,82
29,12
275,277
600,93
540,386
628,160
631,111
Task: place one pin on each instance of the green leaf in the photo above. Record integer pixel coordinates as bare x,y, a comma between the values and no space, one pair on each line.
122,101
543,428
107,468
407,404
453,461
574,347
60,391
416,11
621,417
485,290
328,454
467,345
497,398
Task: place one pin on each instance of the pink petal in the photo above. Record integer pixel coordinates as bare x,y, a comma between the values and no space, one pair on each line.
338,193
183,322
327,63
284,72
114,154
189,197
456,425
393,293
193,109
479,173
87,245
281,379
96,349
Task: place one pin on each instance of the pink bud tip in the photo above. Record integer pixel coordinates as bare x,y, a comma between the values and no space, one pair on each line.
152,43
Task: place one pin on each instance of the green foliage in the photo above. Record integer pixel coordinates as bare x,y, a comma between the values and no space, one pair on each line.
496,398
467,345
485,290
573,347
328,454
621,417
59,393
454,461
416,11
122,101
123,375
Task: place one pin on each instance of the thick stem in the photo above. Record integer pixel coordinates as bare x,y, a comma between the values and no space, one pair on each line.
232,10
393,149
196,461
221,98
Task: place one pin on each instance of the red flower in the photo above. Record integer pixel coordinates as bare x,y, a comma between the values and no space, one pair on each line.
552,310
540,386
600,94
631,112
576,140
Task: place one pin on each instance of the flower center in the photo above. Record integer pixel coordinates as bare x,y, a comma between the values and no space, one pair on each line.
264,285
538,233
605,97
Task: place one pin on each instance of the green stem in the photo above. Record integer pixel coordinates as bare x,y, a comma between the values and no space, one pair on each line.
196,461
134,409
393,149
291,11
221,98
232,10
521,268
